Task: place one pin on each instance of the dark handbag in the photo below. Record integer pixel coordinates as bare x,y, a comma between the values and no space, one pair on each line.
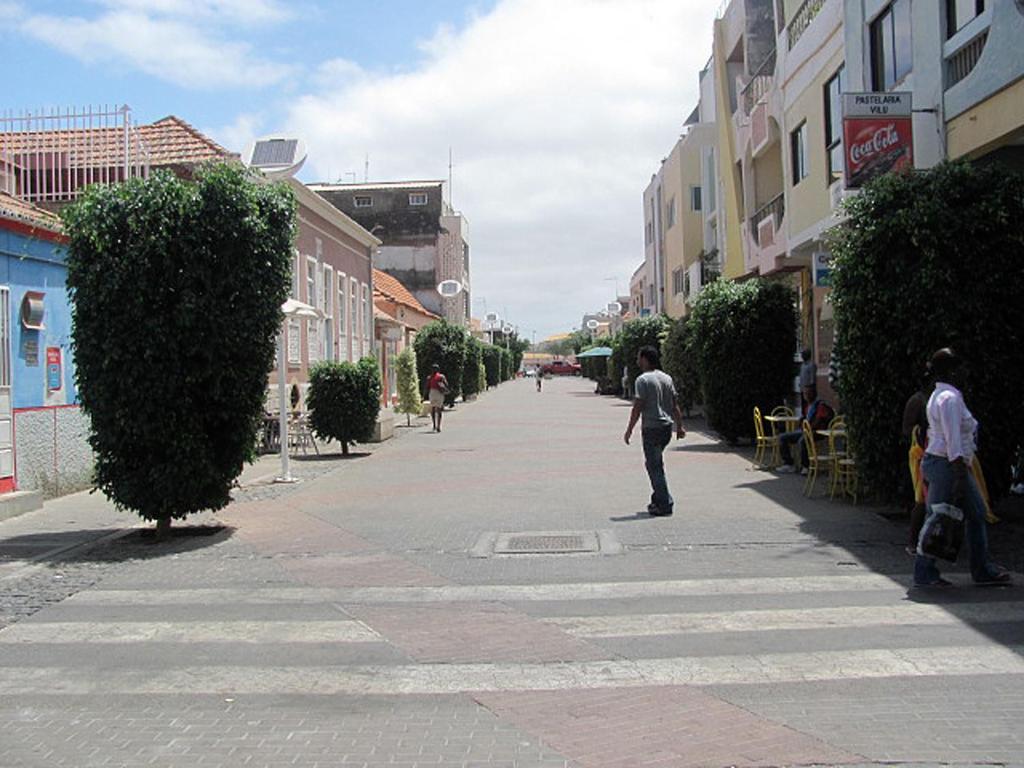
943,532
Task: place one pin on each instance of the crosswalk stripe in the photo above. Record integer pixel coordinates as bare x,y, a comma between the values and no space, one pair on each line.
453,678
500,592
190,632
646,625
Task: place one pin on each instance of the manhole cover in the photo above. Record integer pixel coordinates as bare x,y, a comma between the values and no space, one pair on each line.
545,543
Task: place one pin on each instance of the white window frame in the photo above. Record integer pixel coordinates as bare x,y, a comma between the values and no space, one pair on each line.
367,320
343,317
314,286
328,310
418,198
353,286
362,201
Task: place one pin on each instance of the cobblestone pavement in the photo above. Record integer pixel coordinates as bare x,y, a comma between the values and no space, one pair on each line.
363,617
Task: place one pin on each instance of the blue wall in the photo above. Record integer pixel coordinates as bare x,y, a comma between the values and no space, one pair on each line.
32,264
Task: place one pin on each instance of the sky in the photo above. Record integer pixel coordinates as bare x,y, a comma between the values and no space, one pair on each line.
557,112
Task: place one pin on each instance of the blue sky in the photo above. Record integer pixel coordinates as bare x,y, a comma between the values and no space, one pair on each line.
557,111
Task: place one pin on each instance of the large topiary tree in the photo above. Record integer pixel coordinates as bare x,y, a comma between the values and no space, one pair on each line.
344,401
642,332
443,344
679,357
926,260
409,400
745,337
176,290
471,367
492,364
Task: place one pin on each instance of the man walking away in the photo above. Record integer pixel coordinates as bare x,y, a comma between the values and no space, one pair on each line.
656,404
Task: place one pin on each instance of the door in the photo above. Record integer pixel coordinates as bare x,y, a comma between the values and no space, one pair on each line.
6,414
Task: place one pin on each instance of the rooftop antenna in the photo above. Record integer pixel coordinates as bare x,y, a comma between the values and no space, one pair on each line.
366,168
451,177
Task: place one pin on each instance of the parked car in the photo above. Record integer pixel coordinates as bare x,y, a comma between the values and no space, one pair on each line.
560,368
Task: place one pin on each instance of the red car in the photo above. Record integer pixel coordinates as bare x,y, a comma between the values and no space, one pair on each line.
560,368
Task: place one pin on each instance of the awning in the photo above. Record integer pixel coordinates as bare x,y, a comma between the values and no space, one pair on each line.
596,352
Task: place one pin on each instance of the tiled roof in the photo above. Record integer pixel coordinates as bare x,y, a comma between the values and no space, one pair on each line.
391,288
170,141
17,209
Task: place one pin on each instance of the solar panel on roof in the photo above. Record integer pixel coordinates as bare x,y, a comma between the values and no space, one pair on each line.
270,152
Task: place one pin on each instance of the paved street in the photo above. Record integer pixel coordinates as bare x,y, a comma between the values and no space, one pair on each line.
388,611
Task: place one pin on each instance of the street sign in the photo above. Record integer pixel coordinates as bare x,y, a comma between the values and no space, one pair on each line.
823,270
592,324
449,288
878,135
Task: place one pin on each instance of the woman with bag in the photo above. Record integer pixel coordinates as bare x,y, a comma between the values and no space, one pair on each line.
952,436
437,388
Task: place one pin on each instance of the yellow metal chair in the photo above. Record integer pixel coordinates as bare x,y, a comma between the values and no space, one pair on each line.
764,445
815,461
779,410
844,470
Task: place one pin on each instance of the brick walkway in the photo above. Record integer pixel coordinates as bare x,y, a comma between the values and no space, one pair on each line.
361,618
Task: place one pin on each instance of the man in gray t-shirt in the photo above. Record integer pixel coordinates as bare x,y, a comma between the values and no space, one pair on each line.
655,403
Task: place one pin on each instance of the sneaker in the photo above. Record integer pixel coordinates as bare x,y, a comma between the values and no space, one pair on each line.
787,469
1001,579
938,583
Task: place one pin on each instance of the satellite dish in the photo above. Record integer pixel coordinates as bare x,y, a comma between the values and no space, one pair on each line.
449,288
592,324
614,308
277,156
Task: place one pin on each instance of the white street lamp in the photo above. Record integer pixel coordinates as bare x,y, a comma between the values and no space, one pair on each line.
293,308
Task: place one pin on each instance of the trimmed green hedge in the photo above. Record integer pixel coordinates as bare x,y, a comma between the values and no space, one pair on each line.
492,365
443,344
642,332
927,260
471,367
344,401
679,358
176,289
745,340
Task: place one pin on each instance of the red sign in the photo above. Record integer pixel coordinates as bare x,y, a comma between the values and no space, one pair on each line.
54,375
876,145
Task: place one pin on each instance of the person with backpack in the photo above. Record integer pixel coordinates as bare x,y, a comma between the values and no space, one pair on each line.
437,389
819,416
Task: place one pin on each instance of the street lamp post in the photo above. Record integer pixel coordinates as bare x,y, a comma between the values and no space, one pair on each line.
293,308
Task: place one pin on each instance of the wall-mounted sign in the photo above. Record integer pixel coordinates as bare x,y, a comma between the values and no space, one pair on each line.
32,310
878,135
822,270
54,372
30,349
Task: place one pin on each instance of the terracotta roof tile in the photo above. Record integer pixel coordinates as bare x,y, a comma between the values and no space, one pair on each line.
14,208
390,287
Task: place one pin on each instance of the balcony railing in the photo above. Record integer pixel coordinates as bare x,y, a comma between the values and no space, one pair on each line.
776,208
802,20
962,63
758,84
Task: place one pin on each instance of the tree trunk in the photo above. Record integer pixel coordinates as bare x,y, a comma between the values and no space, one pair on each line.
163,528
408,419
344,447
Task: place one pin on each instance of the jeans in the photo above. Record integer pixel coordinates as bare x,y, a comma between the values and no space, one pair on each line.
786,439
655,440
940,475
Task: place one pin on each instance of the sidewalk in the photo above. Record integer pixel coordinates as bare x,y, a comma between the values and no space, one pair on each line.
496,595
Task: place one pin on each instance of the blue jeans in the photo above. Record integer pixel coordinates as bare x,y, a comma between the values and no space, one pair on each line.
655,440
940,475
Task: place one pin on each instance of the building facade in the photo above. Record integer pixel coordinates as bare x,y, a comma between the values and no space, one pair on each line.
424,242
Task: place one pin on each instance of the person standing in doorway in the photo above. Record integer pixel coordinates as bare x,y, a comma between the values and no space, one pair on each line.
437,389
656,404
808,380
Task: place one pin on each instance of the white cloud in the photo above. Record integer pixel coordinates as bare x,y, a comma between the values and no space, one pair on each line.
558,113
11,12
168,48
234,11
237,135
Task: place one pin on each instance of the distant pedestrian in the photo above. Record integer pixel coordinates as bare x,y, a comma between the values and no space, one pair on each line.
952,441
658,407
437,389
808,380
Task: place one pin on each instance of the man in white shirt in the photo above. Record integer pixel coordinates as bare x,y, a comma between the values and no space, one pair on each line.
952,441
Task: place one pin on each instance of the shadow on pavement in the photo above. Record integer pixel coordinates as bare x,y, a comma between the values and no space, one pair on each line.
332,456
111,545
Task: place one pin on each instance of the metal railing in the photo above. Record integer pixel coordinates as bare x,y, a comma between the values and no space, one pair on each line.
802,20
758,84
776,208
52,156
963,62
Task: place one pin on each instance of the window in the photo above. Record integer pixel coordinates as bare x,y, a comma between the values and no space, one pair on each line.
695,198
328,310
353,295
417,198
363,201
367,320
342,317
891,51
798,153
649,233
295,275
711,180
677,281
961,12
310,281
670,214
314,293
834,125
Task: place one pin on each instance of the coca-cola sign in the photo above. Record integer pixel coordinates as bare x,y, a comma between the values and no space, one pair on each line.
878,135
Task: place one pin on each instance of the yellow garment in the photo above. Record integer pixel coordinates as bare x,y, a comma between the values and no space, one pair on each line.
979,478
914,456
